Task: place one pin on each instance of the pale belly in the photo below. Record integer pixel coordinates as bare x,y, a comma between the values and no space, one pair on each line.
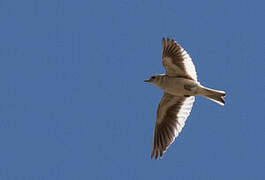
180,86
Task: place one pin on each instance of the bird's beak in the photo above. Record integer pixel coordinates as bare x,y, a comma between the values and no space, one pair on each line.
147,80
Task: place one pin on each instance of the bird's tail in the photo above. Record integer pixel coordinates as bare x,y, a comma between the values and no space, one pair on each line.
214,95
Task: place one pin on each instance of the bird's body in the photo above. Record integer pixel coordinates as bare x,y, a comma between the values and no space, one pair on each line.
177,86
180,87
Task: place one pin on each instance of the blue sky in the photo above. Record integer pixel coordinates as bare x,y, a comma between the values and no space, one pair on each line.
73,104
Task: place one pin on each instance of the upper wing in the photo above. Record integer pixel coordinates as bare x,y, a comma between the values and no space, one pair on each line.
171,115
176,60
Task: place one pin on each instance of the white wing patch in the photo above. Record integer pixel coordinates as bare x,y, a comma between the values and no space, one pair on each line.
184,112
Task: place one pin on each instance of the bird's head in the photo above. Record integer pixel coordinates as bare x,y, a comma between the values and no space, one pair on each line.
153,79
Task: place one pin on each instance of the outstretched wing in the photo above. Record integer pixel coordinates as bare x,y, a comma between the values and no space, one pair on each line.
176,60
171,115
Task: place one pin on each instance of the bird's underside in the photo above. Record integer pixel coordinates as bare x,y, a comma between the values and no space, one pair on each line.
180,85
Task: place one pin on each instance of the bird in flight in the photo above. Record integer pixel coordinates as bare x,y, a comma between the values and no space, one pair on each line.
180,87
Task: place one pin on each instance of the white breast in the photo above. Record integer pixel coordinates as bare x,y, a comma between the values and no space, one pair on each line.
175,86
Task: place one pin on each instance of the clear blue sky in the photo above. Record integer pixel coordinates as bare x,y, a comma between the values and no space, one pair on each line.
73,104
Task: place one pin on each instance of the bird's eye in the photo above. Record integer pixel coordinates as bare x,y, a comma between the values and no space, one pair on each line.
153,77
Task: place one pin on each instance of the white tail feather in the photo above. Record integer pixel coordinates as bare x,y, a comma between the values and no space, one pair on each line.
212,94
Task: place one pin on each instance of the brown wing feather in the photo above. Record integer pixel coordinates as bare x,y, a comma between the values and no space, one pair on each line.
176,60
171,115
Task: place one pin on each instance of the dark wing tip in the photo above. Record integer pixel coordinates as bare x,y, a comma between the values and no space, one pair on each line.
156,154
168,40
163,137
152,154
170,48
157,150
